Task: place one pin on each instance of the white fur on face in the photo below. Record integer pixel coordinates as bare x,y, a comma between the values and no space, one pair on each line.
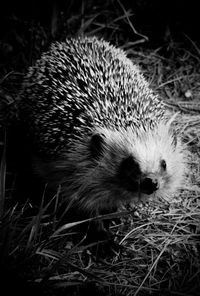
149,149
154,146
94,184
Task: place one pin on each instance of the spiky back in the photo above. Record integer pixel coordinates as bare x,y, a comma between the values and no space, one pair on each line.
82,84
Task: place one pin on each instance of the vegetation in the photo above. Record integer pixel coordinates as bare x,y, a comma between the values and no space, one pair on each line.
159,242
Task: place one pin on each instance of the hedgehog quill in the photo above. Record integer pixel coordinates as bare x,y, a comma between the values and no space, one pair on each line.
97,129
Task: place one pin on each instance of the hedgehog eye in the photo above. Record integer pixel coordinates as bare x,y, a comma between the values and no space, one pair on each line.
163,165
96,145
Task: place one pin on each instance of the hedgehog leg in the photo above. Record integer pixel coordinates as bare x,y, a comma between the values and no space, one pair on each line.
94,234
102,241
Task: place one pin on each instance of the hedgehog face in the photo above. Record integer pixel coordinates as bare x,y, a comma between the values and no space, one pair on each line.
161,159
112,167
138,167
119,170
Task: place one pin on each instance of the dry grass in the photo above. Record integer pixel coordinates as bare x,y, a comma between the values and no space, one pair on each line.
160,244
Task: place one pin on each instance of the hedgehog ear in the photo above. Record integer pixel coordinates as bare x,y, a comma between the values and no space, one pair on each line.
173,134
172,129
174,137
96,145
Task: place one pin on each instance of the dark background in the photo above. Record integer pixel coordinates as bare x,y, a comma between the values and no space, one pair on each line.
27,27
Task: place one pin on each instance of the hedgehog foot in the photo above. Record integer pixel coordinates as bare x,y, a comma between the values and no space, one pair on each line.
101,242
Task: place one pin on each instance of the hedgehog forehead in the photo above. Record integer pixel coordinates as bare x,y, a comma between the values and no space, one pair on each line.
148,147
153,146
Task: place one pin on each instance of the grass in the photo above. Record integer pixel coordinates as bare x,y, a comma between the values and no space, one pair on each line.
160,243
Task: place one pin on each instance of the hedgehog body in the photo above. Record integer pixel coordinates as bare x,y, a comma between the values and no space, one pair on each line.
97,128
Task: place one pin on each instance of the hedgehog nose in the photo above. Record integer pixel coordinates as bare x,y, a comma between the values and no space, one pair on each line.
149,185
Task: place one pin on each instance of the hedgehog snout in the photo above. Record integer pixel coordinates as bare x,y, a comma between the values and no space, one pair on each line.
149,185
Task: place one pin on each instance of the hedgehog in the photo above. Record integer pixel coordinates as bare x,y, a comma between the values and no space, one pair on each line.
96,128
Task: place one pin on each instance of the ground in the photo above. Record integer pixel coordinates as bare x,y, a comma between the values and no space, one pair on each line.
160,243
